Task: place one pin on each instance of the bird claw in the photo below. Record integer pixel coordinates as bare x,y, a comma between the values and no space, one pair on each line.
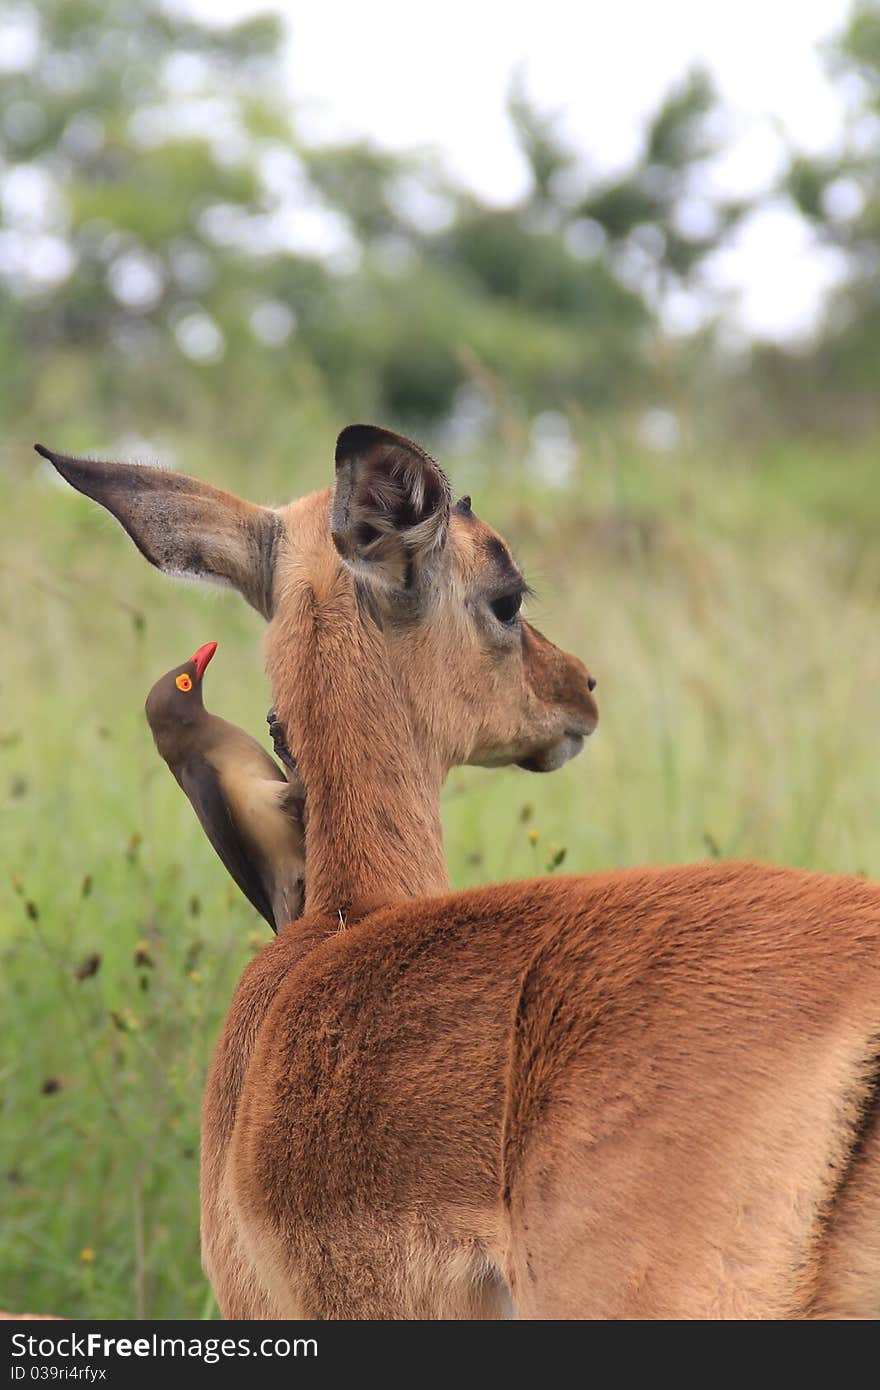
279,740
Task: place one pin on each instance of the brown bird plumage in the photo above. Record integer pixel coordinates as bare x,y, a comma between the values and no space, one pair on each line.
250,812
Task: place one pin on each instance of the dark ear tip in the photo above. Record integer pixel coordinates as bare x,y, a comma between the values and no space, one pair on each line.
355,439
60,461
70,468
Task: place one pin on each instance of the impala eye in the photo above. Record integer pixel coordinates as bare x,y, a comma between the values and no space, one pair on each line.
507,607
184,682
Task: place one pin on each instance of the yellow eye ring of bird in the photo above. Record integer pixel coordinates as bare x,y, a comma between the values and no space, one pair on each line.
184,682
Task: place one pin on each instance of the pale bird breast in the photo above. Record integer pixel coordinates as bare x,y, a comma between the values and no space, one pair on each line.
255,803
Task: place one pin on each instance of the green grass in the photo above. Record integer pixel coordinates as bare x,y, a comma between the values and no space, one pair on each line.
728,605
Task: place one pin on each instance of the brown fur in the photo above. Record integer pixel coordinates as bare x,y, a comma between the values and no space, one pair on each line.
628,1095
648,1093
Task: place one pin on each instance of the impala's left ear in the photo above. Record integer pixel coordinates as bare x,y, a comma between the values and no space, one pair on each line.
183,526
390,508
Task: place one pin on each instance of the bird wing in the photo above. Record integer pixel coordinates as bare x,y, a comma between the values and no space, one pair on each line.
292,800
200,781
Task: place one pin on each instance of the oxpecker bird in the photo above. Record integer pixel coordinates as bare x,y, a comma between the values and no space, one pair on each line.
250,812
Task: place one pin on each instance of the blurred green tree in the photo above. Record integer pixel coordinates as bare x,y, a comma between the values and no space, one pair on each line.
149,182
171,252
658,206
839,196
559,295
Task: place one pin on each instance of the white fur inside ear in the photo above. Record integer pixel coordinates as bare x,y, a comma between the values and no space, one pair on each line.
376,576
395,558
390,510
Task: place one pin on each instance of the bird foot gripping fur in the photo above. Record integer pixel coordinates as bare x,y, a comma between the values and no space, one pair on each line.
279,741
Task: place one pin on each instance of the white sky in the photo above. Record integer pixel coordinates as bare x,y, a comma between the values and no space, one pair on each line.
410,74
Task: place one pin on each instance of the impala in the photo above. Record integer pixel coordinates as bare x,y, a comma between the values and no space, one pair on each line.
645,1094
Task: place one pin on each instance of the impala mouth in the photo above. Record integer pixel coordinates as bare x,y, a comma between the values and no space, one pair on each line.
557,754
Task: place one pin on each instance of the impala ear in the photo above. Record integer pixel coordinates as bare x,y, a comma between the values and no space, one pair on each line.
390,508
184,527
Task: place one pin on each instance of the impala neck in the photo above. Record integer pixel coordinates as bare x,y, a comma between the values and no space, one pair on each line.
373,828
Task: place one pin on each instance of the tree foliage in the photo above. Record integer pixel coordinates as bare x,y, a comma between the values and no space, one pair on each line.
168,242
166,238
839,195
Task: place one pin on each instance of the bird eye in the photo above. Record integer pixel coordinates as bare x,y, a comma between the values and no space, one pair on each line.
507,607
183,682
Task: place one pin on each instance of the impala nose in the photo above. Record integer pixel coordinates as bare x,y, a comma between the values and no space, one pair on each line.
591,683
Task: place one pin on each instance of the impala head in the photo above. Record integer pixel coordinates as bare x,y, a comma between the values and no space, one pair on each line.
446,593
381,570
